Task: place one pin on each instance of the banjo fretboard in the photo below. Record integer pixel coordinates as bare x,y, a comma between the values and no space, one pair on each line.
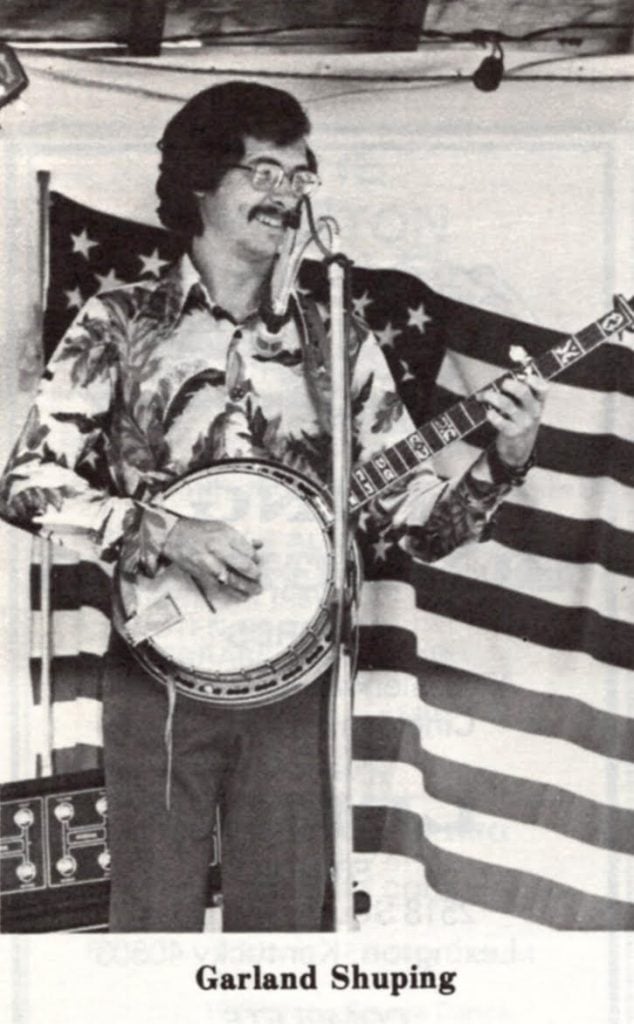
382,471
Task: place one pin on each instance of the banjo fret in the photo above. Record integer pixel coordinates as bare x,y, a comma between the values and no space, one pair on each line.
384,468
376,477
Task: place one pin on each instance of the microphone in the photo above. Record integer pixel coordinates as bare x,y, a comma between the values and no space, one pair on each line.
274,311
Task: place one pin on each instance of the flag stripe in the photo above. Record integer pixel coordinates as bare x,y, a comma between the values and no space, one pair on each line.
544,714
566,585
493,840
74,676
558,537
79,757
505,658
487,700
505,890
550,759
76,631
501,611
493,793
535,620
73,585
77,721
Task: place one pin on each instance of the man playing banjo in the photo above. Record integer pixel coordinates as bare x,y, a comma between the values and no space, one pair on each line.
170,377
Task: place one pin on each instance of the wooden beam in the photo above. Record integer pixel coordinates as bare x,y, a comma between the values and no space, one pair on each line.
404,24
146,25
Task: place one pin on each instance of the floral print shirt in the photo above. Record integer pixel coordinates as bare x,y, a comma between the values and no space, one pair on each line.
154,380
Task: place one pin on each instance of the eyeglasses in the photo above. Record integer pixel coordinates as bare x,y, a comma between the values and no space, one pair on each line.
268,177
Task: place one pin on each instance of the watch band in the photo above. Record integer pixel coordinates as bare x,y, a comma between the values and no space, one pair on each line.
502,473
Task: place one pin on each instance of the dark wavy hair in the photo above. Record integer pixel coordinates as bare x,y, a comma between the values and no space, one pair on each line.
207,134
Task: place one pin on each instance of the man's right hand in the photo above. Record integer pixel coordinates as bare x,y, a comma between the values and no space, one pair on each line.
217,556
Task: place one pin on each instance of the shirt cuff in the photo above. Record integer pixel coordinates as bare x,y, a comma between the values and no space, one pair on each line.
145,535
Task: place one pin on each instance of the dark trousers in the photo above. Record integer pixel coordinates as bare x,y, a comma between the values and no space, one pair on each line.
266,767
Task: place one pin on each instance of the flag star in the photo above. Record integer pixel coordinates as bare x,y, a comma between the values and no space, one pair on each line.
152,264
364,519
359,304
108,281
82,243
418,318
407,375
91,458
74,299
381,549
387,335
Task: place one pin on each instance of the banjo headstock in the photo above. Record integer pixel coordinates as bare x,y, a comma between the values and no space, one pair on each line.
619,320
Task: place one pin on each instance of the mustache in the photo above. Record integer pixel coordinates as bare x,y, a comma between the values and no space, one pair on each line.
289,218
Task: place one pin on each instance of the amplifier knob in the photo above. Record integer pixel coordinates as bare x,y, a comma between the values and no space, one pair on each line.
101,806
26,872
24,817
66,866
104,859
64,811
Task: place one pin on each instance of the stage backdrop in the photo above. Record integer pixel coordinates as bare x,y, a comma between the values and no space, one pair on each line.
493,726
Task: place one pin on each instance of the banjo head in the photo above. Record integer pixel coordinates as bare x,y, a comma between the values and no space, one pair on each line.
246,652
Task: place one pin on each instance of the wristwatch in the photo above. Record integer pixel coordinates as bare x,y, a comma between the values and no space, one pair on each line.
502,473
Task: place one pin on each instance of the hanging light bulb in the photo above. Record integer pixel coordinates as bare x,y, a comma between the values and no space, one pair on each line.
491,71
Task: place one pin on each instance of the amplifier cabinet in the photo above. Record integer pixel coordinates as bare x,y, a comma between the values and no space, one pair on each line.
54,855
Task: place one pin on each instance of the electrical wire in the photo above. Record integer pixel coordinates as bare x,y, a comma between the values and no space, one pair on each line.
484,36
395,85
95,83
134,90
552,60
478,36
247,72
446,78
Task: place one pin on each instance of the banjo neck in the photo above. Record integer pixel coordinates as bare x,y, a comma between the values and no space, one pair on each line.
383,470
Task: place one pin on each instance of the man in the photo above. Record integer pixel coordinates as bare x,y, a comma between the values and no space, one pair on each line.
166,378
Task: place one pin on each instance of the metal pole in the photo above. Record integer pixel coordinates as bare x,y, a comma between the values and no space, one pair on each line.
341,694
44,545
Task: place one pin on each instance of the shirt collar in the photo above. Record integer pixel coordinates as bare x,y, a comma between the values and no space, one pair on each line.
188,287
183,278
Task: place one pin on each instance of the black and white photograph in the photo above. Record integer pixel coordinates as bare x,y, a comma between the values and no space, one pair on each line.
317,631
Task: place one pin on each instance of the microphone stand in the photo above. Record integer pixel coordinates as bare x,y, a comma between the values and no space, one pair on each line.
343,636
342,673
340,708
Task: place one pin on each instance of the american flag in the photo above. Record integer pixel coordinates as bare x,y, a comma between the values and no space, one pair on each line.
494,707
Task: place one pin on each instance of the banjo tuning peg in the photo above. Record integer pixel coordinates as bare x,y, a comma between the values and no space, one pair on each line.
622,306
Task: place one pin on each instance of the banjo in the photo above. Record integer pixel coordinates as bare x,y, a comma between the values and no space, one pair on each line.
244,654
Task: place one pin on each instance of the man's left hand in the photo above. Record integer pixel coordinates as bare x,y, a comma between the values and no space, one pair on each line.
515,413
